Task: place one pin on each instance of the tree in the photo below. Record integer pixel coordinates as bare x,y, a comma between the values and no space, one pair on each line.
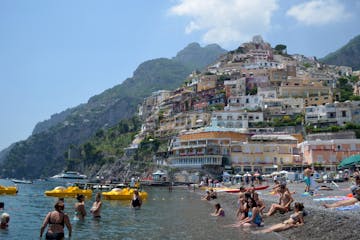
281,49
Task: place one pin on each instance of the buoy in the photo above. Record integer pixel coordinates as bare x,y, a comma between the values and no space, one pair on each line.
350,195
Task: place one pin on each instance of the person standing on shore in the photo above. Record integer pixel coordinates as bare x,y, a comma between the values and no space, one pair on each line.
96,207
56,220
307,178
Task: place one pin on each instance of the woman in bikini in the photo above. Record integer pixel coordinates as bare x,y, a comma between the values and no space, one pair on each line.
56,220
80,211
136,202
96,207
296,219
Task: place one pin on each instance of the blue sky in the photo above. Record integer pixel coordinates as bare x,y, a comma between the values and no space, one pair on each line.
57,54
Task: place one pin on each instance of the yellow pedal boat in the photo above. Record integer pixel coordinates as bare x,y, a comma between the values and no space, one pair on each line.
72,191
8,190
123,194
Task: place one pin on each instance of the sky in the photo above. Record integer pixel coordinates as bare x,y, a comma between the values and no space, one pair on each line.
55,55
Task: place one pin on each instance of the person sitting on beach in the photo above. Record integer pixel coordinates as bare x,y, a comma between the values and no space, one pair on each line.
355,199
136,202
242,211
285,201
96,207
5,219
296,219
253,218
56,220
219,212
207,196
80,211
213,194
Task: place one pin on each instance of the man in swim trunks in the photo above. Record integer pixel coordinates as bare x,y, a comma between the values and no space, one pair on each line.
307,178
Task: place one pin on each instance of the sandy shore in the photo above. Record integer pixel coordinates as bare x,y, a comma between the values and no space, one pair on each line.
320,223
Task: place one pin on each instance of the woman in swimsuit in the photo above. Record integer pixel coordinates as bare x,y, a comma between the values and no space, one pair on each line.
56,220
253,219
242,207
80,211
136,202
355,199
96,207
296,219
219,212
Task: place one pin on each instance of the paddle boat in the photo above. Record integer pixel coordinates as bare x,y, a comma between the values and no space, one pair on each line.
123,194
8,190
72,191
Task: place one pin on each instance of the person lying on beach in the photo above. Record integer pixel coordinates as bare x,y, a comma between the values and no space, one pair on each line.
285,201
253,218
296,219
355,199
219,212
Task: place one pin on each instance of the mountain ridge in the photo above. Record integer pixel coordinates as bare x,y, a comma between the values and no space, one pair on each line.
44,152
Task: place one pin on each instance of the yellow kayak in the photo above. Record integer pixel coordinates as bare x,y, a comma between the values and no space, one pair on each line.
72,191
8,190
123,194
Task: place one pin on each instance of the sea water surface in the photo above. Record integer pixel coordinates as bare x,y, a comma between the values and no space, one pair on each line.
179,214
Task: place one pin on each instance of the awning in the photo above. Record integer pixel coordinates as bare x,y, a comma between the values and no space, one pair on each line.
349,161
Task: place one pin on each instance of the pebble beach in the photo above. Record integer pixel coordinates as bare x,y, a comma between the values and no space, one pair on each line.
320,223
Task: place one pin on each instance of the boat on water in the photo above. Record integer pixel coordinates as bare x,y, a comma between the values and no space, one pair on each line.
68,176
8,190
71,192
21,181
123,194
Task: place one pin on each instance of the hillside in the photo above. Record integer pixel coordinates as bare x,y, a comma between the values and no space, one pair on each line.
44,153
348,55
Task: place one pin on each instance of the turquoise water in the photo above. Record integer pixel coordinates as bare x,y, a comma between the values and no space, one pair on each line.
165,215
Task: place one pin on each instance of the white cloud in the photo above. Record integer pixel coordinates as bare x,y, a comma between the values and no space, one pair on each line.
319,12
226,22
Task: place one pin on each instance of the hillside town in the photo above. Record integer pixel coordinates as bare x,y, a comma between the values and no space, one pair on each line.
257,109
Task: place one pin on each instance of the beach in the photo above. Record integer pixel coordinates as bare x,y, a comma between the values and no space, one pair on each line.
320,223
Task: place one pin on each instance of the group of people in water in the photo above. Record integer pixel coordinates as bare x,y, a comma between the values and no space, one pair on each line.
55,221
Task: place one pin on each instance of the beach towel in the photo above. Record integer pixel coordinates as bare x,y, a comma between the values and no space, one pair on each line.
332,198
348,208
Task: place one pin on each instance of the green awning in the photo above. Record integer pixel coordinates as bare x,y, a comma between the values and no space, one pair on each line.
349,161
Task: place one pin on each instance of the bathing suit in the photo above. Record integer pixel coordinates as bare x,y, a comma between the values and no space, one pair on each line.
307,180
58,235
257,219
135,202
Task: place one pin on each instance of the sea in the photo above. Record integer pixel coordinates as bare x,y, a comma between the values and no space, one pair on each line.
179,214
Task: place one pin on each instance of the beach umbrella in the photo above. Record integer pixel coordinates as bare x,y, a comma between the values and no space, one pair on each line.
349,161
283,172
274,173
256,174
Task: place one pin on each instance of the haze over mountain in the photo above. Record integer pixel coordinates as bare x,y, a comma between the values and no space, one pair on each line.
348,55
44,152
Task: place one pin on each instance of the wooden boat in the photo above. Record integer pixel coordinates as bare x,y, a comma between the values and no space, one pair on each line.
8,190
123,194
72,191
